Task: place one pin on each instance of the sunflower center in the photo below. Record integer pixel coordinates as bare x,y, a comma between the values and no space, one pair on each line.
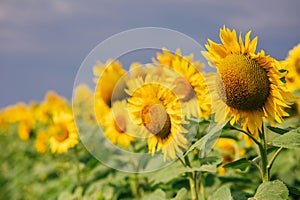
156,120
183,89
62,133
243,83
120,123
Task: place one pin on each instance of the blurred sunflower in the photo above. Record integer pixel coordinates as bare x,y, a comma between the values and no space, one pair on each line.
110,80
63,133
3,122
157,111
83,104
248,86
230,151
293,67
24,129
189,82
15,113
51,104
41,141
118,127
136,70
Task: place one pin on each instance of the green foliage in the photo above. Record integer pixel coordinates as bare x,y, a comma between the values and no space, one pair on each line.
290,140
241,164
274,190
223,193
25,174
278,130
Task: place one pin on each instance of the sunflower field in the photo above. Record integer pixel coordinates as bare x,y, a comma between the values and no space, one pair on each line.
165,130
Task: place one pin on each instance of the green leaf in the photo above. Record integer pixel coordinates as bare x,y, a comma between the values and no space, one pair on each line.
290,140
274,190
241,164
207,141
278,130
181,194
223,193
158,194
203,168
166,174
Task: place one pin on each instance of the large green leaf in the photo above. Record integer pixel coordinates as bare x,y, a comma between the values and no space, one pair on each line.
223,193
274,190
290,140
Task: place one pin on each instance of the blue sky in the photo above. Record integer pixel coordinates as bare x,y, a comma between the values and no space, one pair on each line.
43,43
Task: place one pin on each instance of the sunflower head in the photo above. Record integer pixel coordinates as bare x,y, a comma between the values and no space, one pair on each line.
189,85
243,84
158,112
63,133
117,124
107,77
24,129
248,85
293,67
41,141
83,102
110,80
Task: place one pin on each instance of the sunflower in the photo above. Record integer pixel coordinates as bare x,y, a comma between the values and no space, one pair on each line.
41,141
16,113
230,150
293,67
248,86
117,124
24,129
83,102
110,80
158,113
52,103
3,122
63,133
188,81
136,70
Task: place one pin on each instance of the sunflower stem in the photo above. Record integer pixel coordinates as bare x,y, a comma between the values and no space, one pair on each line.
271,162
192,179
263,155
78,171
248,134
202,191
136,181
136,187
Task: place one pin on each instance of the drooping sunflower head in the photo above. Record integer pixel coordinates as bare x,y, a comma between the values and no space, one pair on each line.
158,112
293,67
188,80
118,126
110,80
248,86
63,133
